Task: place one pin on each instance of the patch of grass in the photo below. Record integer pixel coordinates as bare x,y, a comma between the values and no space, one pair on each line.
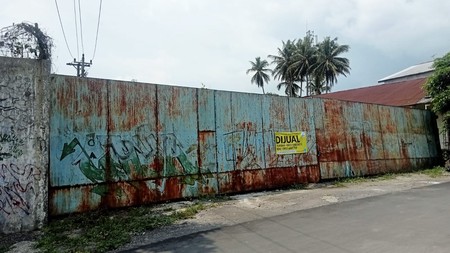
8,240
387,176
343,182
339,184
4,248
215,198
298,187
434,172
106,230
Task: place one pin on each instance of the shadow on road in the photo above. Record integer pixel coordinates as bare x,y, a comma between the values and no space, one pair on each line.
197,242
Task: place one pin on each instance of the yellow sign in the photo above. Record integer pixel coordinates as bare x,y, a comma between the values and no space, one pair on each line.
290,143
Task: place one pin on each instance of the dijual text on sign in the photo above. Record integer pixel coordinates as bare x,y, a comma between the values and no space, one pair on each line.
290,143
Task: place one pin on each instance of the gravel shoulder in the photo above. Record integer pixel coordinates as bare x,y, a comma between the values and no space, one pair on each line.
242,208
253,206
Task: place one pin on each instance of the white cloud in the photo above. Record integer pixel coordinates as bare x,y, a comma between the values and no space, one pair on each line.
190,42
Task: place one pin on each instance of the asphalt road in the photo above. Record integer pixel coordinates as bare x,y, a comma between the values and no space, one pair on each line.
412,221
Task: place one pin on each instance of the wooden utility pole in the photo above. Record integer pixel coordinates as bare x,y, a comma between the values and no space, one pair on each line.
79,66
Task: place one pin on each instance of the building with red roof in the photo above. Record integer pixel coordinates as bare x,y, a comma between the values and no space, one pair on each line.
404,88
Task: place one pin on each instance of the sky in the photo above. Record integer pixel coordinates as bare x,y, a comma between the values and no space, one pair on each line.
209,43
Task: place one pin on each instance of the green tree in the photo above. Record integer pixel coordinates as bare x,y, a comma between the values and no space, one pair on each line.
305,62
305,56
259,67
438,88
282,70
317,85
329,63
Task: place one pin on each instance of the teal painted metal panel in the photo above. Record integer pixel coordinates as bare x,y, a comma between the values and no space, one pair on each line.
116,144
373,133
301,113
389,123
207,144
247,135
78,116
224,126
177,127
275,118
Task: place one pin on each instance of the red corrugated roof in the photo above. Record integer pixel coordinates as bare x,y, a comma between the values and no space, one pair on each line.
403,93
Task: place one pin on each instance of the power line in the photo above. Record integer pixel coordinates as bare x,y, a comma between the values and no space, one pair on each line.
76,26
98,25
80,66
81,27
62,28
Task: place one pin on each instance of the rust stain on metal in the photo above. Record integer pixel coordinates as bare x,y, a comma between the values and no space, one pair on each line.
254,179
248,126
173,188
173,105
85,204
269,178
204,135
221,147
231,181
131,107
203,139
309,174
277,177
157,165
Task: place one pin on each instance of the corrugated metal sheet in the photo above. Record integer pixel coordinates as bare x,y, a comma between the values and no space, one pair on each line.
415,70
404,93
116,144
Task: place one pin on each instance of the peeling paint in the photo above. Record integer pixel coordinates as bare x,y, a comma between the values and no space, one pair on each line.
150,143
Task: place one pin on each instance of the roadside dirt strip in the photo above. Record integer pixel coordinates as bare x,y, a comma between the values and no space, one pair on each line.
253,206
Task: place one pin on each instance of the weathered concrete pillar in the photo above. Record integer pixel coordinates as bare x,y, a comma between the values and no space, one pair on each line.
24,142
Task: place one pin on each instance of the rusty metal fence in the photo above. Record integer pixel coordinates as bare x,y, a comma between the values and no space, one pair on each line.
115,144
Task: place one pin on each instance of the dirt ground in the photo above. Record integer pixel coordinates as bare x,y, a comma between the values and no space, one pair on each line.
252,206
247,207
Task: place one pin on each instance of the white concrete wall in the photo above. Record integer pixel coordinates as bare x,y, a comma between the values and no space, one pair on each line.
24,136
442,132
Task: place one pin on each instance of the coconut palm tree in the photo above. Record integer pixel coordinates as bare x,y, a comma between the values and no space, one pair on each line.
283,71
291,89
329,63
260,68
304,58
317,85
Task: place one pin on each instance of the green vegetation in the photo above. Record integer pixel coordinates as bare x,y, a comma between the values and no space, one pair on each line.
260,68
298,186
4,248
101,231
438,87
304,64
435,172
106,230
357,180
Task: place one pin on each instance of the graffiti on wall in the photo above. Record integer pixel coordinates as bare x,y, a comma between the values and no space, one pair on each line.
243,148
15,101
10,146
107,158
16,181
16,187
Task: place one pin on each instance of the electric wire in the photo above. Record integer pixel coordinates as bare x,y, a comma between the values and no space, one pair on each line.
81,27
62,28
98,25
76,26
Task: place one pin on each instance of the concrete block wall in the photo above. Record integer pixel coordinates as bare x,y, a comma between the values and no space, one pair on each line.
24,135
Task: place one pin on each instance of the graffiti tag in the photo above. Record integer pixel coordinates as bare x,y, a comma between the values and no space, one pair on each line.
16,187
103,158
10,146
